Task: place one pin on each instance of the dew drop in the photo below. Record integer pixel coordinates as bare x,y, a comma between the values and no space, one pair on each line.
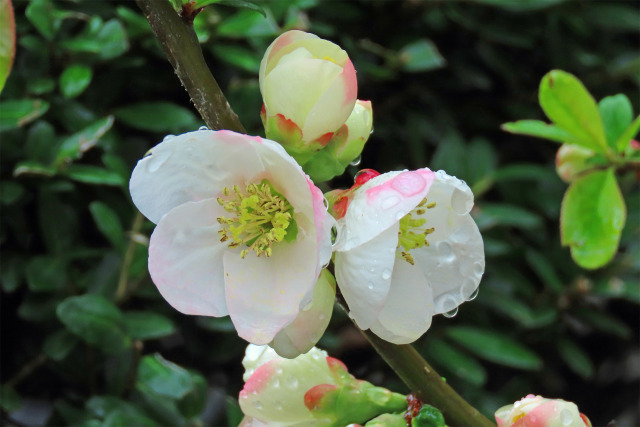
371,131
386,274
168,138
478,268
370,286
203,128
325,202
473,295
445,251
461,202
279,371
257,404
276,382
321,317
353,242
399,216
334,235
291,382
451,313
307,307
356,161
565,417
389,202
278,405
156,160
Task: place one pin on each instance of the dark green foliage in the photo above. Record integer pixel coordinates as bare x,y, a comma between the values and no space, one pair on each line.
90,92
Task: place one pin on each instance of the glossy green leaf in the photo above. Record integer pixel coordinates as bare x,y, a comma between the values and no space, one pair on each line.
628,134
421,55
617,113
545,269
7,40
96,320
75,146
493,214
18,112
456,361
575,358
119,418
163,377
544,130
193,403
571,107
522,313
108,223
41,14
59,344
495,347
46,273
145,325
592,218
89,174
74,80
158,117
234,3
238,56
247,23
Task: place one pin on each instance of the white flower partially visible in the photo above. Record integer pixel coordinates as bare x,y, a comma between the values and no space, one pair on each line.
241,230
408,249
537,411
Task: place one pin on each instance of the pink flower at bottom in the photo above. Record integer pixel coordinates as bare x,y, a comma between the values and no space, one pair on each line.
537,411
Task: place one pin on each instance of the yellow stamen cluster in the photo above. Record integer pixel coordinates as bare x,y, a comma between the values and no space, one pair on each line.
412,235
260,218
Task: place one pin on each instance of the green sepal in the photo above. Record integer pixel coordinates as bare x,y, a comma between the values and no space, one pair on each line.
428,416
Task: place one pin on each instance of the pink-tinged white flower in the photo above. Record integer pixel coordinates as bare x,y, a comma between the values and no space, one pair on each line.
310,390
345,145
309,90
407,249
537,411
304,332
241,230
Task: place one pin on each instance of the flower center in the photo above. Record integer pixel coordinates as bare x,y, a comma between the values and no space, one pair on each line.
412,233
260,217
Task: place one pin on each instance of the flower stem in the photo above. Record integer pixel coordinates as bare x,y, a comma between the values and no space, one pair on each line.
424,381
180,44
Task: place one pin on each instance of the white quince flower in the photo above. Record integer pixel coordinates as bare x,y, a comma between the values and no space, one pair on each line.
538,411
407,249
241,230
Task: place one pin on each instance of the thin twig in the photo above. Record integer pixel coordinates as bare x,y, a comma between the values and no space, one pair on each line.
27,370
123,277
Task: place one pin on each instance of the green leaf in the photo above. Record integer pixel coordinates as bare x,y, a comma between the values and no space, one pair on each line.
493,214
9,399
145,325
108,223
571,107
247,23
46,273
157,117
7,40
93,175
576,358
238,56
234,3
193,403
495,347
520,5
628,135
76,145
163,377
592,217
544,268
41,14
95,320
33,168
74,80
59,344
455,361
604,322
616,112
544,130
18,112
234,413
520,312
421,55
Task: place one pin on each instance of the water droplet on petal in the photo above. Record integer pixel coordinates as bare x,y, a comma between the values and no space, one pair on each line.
445,251
461,202
334,235
451,313
478,268
399,216
356,161
389,202
565,417
203,128
325,202
386,274
307,307
168,138
371,131
364,175
321,317
473,295
257,404
370,286
156,160
291,381
278,405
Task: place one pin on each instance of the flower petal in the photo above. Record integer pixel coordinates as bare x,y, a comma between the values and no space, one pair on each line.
379,203
265,294
191,167
293,88
304,332
454,262
364,275
408,309
185,259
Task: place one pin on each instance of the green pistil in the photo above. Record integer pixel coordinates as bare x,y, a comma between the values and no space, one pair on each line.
260,218
412,233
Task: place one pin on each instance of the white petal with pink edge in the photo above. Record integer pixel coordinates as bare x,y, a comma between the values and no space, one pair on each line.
185,259
380,203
